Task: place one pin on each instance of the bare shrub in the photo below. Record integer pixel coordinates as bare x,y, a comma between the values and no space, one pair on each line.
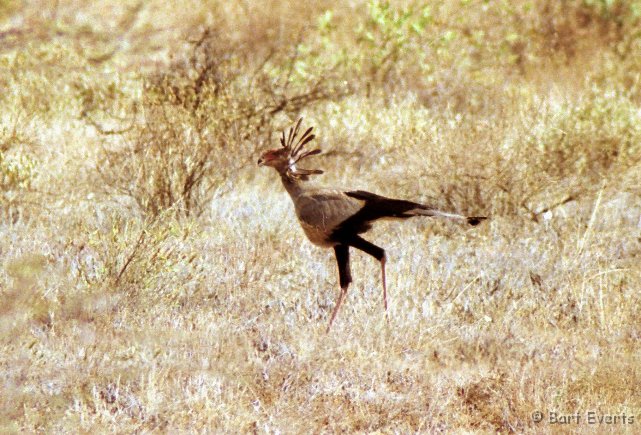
527,161
564,153
202,120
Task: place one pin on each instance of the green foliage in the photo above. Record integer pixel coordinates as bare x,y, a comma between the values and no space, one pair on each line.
615,10
324,22
17,171
388,33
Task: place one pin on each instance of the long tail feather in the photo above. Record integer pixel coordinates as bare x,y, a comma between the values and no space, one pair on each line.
424,211
376,207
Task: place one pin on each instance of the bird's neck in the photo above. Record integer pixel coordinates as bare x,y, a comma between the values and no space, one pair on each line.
293,185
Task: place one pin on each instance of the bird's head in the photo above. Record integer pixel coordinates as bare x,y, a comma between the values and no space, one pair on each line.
284,159
278,158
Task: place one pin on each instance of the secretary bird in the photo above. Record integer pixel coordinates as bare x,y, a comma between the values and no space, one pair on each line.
334,218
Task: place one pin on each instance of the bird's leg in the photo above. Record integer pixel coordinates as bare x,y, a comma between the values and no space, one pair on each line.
383,261
344,275
338,304
376,252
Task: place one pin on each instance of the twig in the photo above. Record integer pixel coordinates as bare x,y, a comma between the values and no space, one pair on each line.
588,230
131,256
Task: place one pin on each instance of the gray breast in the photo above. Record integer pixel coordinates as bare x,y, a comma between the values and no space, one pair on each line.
319,214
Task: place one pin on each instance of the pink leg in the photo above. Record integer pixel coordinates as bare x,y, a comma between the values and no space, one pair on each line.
338,305
384,287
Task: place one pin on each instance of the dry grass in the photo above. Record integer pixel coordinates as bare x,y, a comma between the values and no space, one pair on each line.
153,279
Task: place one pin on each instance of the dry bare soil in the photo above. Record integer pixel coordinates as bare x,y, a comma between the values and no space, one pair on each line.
153,279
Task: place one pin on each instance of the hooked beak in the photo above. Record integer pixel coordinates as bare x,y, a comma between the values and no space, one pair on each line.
261,162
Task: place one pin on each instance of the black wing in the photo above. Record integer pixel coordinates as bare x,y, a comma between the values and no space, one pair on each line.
375,207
